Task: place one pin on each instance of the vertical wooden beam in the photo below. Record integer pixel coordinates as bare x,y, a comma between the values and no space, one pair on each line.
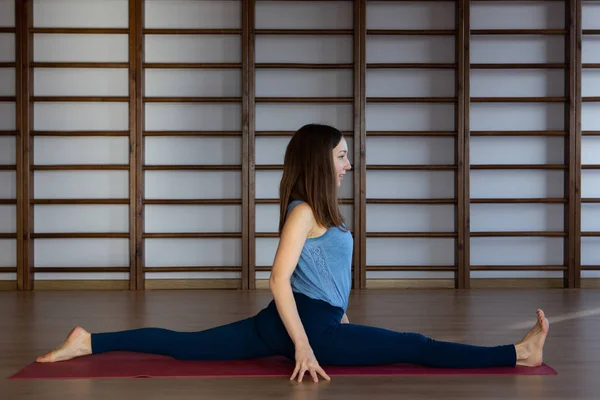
25,274
248,141
137,280
572,214
132,146
462,277
359,277
247,277
19,31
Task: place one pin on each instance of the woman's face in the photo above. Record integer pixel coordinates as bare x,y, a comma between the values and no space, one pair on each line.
340,160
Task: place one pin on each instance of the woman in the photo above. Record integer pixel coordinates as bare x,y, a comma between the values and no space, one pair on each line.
310,282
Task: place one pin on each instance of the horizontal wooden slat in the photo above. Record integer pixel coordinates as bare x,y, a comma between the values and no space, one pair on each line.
411,99
79,201
590,99
411,65
410,32
590,166
303,66
289,133
7,29
5,202
81,235
590,200
303,31
517,133
8,167
591,31
518,234
518,66
5,99
192,167
303,100
274,235
518,99
411,133
590,233
411,268
85,167
590,133
193,201
276,201
411,201
590,267
192,133
86,31
80,133
517,268
516,166
411,234
191,31
192,235
7,270
428,167
590,65
8,235
8,64
79,270
94,64
81,99
193,65
192,99
518,32
549,200
168,269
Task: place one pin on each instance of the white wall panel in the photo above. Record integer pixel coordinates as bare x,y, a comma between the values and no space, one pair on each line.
192,185
303,83
410,150
192,14
410,83
81,116
410,251
410,218
81,253
192,150
517,251
517,83
410,117
8,249
8,116
192,218
7,150
8,82
590,217
517,150
81,184
192,117
303,49
410,15
59,47
517,15
192,252
8,219
304,14
81,13
513,184
265,251
192,48
410,184
413,49
510,117
192,83
80,150
517,49
7,47
267,185
8,185
81,82
80,218
290,117
7,16
516,217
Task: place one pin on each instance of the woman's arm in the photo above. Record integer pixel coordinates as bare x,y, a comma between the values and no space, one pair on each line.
297,228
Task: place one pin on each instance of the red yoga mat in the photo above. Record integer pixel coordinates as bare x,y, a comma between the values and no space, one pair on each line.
138,365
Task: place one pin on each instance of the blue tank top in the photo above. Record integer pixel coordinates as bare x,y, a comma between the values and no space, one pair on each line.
324,267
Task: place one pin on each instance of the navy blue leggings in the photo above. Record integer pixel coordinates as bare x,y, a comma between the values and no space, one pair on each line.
333,343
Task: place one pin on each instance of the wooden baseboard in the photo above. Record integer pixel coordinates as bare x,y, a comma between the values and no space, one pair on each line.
590,283
482,283
8,285
410,283
165,284
81,284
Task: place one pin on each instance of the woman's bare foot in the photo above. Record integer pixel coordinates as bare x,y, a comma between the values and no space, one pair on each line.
530,348
77,344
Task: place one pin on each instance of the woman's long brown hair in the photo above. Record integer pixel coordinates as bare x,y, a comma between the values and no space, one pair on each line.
309,174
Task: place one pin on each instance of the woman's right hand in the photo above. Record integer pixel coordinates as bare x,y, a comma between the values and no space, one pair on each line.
306,362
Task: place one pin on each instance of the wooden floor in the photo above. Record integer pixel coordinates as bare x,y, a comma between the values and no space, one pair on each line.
32,323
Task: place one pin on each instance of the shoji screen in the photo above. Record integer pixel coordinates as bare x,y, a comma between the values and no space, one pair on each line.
519,128
590,143
79,142
194,170
304,72
9,145
412,117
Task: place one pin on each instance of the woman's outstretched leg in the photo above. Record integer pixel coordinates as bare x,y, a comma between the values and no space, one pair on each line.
237,340
349,344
